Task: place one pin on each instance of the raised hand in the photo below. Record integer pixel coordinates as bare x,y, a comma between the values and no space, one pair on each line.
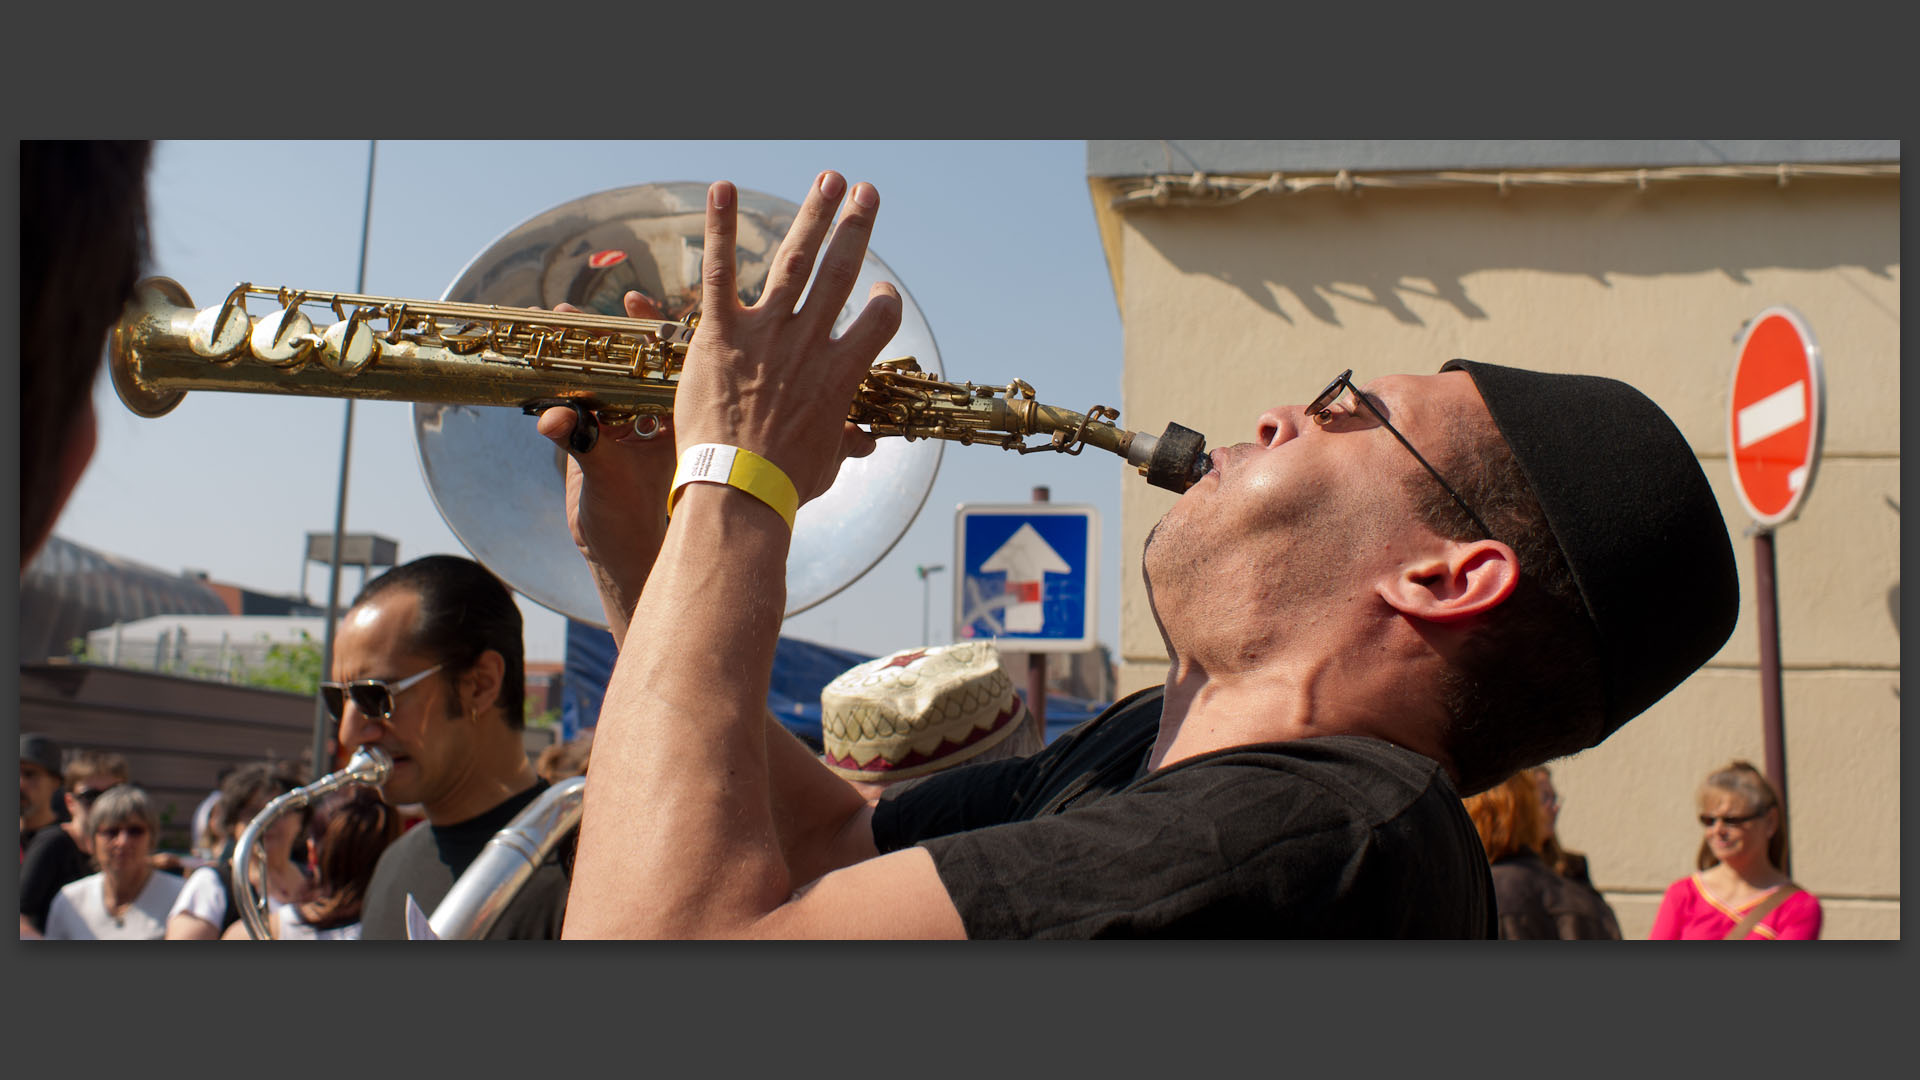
773,379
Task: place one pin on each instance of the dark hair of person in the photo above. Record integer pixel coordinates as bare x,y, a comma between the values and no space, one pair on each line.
1508,817
348,831
246,790
464,611
1525,688
83,247
1748,784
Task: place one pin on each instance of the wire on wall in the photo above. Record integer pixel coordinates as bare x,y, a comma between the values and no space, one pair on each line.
1202,189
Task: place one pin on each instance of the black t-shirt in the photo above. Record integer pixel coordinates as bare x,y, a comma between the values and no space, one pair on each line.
428,859
1336,836
52,861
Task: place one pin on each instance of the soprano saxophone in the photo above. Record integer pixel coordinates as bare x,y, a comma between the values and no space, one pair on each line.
607,369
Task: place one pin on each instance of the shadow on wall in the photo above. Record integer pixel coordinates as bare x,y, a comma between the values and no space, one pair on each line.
1383,248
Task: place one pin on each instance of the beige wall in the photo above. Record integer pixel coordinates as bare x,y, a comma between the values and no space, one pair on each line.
1229,309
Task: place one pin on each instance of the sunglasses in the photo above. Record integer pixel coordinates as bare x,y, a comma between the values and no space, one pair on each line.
87,796
373,697
1322,412
1710,820
133,831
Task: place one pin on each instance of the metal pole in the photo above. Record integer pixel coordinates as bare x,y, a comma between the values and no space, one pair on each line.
926,571
1772,713
321,721
1037,661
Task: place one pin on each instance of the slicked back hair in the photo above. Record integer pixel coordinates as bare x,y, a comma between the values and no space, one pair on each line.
464,611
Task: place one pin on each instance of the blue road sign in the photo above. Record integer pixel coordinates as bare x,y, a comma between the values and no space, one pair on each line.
1028,575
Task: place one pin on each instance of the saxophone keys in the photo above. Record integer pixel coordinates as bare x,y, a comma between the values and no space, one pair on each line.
283,339
218,332
349,346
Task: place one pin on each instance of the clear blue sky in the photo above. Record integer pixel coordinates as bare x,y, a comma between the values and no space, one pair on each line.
995,241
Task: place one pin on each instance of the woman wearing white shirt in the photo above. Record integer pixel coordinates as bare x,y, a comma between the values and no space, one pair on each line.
128,899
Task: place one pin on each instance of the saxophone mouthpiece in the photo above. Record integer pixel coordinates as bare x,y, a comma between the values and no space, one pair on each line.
1175,461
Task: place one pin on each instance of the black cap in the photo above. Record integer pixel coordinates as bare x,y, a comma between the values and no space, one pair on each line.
42,751
1635,517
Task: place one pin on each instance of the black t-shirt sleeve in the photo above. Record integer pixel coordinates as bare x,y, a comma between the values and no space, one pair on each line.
963,798
1094,757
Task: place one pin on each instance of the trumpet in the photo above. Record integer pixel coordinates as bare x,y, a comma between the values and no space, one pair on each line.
607,369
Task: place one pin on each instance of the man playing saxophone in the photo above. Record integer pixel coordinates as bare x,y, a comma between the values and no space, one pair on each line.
1397,594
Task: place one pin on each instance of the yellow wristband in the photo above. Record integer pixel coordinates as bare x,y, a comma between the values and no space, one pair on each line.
717,463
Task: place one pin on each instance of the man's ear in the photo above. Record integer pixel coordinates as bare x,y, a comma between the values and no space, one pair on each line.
1463,580
480,685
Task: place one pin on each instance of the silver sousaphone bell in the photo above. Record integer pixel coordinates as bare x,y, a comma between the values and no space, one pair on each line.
502,487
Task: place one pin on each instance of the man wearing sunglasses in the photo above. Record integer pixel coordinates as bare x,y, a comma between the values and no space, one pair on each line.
1397,593
428,665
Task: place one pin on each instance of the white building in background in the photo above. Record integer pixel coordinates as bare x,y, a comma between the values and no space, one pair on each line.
224,647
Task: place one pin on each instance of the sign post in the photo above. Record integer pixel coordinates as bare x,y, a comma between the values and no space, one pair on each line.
1026,576
1775,425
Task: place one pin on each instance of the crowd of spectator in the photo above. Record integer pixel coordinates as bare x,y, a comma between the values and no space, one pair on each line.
91,864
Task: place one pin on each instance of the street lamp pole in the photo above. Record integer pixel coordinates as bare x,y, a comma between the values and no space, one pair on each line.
926,628
322,720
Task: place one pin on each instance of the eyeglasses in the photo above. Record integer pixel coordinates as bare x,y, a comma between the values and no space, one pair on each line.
1322,411
373,696
1710,820
134,832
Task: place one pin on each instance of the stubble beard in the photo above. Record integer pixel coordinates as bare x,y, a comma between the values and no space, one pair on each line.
1235,577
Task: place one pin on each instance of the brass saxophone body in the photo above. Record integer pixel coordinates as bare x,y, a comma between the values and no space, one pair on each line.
615,369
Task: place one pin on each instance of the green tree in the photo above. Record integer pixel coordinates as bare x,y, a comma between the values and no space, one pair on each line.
288,666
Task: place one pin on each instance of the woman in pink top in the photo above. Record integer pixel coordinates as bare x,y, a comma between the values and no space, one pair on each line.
1740,860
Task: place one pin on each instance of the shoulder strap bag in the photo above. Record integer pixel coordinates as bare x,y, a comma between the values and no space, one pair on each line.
1760,911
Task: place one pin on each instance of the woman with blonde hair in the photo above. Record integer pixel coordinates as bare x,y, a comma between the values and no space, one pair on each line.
1740,891
1532,900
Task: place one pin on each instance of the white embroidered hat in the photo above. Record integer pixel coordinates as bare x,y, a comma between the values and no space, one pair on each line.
918,711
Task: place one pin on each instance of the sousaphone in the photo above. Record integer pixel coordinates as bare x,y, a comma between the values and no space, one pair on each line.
501,486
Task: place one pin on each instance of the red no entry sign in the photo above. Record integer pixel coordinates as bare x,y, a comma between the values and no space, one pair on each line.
1775,415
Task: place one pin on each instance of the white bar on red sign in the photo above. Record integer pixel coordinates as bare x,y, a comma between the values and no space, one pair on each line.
1771,415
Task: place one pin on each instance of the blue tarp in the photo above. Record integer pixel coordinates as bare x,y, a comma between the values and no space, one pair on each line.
801,669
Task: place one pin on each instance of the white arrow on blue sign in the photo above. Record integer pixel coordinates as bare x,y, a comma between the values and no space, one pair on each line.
1027,575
